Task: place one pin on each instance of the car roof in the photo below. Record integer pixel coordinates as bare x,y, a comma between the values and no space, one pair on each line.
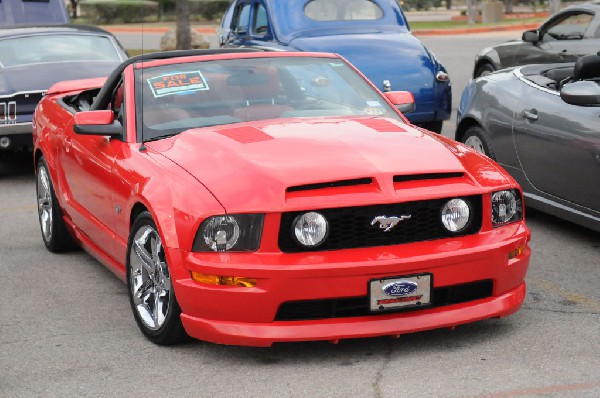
49,29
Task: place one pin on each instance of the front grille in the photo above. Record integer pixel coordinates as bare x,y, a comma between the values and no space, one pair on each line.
359,306
350,227
21,104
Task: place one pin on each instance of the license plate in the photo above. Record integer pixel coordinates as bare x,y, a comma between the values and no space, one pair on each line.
400,292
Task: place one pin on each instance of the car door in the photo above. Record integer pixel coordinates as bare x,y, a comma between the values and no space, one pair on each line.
563,39
558,146
88,168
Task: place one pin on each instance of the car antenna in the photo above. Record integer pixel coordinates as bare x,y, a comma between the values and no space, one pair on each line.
143,147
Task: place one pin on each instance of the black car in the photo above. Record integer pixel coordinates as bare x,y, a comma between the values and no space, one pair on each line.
564,37
542,124
34,58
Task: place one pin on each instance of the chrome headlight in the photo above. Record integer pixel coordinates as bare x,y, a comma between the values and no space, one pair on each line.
236,232
507,207
456,215
311,229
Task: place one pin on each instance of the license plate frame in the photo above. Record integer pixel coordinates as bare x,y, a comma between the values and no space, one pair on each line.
399,297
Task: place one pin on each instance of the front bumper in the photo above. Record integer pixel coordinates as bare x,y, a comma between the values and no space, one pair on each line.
16,137
15,129
246,316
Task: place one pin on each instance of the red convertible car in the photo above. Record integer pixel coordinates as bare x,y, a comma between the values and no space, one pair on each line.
251,197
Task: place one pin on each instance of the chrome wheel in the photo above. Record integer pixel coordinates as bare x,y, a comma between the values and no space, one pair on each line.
150,282
44,197
475,143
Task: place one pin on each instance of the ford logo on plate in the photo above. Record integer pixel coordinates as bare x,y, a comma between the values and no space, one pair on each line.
401,288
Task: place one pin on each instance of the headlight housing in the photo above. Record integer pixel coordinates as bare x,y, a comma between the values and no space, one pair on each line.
507,207
310,229
456,215
229,232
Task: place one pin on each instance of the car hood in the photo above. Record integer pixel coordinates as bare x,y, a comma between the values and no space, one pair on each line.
395,56
251,166
38,77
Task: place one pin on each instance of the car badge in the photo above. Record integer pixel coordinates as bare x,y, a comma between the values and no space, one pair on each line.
387,223
399,288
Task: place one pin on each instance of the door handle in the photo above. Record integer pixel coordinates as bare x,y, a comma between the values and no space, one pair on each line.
531,115
67,142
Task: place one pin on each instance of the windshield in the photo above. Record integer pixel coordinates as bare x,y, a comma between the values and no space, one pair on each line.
40,49
199,94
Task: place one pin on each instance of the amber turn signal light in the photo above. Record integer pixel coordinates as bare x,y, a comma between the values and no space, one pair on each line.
515,253
221,280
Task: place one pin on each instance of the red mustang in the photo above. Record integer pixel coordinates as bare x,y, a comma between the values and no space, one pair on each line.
252,197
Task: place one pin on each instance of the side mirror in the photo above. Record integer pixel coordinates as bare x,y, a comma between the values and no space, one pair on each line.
223,35
403,100
97,123
531,36
582,93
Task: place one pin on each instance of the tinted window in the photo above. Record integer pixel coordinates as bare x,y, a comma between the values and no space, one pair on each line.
242,19
571,28
41,49
342,10
260,26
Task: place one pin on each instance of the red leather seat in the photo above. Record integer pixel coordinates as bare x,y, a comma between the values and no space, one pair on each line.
260,91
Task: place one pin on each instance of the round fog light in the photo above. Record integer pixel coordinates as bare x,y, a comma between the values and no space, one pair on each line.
311,229
4,142
456,215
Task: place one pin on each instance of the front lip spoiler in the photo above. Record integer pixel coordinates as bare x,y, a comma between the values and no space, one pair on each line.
16,129
394,324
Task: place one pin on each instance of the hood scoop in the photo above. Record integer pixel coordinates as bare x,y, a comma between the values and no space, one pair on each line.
333,184
427,176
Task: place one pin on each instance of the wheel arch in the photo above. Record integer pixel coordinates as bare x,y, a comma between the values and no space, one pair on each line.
463,126
491,58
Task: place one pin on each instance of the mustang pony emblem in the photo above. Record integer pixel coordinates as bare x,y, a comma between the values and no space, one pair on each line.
387,223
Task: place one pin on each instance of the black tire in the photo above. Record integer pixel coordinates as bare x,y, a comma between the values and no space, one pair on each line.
54,231
435,126
476,138
160,323
484,69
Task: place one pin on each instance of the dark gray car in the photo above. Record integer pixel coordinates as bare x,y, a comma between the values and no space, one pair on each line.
542,124
564,37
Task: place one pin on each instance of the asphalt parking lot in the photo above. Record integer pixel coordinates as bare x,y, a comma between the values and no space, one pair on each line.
66,328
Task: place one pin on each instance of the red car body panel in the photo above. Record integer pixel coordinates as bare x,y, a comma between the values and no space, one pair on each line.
99,182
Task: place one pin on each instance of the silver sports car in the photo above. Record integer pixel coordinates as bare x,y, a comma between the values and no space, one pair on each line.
542,123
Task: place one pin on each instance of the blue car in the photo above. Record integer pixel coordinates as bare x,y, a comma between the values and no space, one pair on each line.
372,34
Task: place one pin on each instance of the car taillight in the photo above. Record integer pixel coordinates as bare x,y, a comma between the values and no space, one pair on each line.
8,111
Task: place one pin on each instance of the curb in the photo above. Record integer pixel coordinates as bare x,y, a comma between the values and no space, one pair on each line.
470,31
138,29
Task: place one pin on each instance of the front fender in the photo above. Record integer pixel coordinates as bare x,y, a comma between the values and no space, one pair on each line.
177,201
487,55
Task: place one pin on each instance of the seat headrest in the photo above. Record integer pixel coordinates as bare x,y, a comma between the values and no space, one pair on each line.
256,83
587,67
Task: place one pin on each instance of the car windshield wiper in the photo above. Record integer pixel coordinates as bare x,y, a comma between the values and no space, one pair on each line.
572,36
160,137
